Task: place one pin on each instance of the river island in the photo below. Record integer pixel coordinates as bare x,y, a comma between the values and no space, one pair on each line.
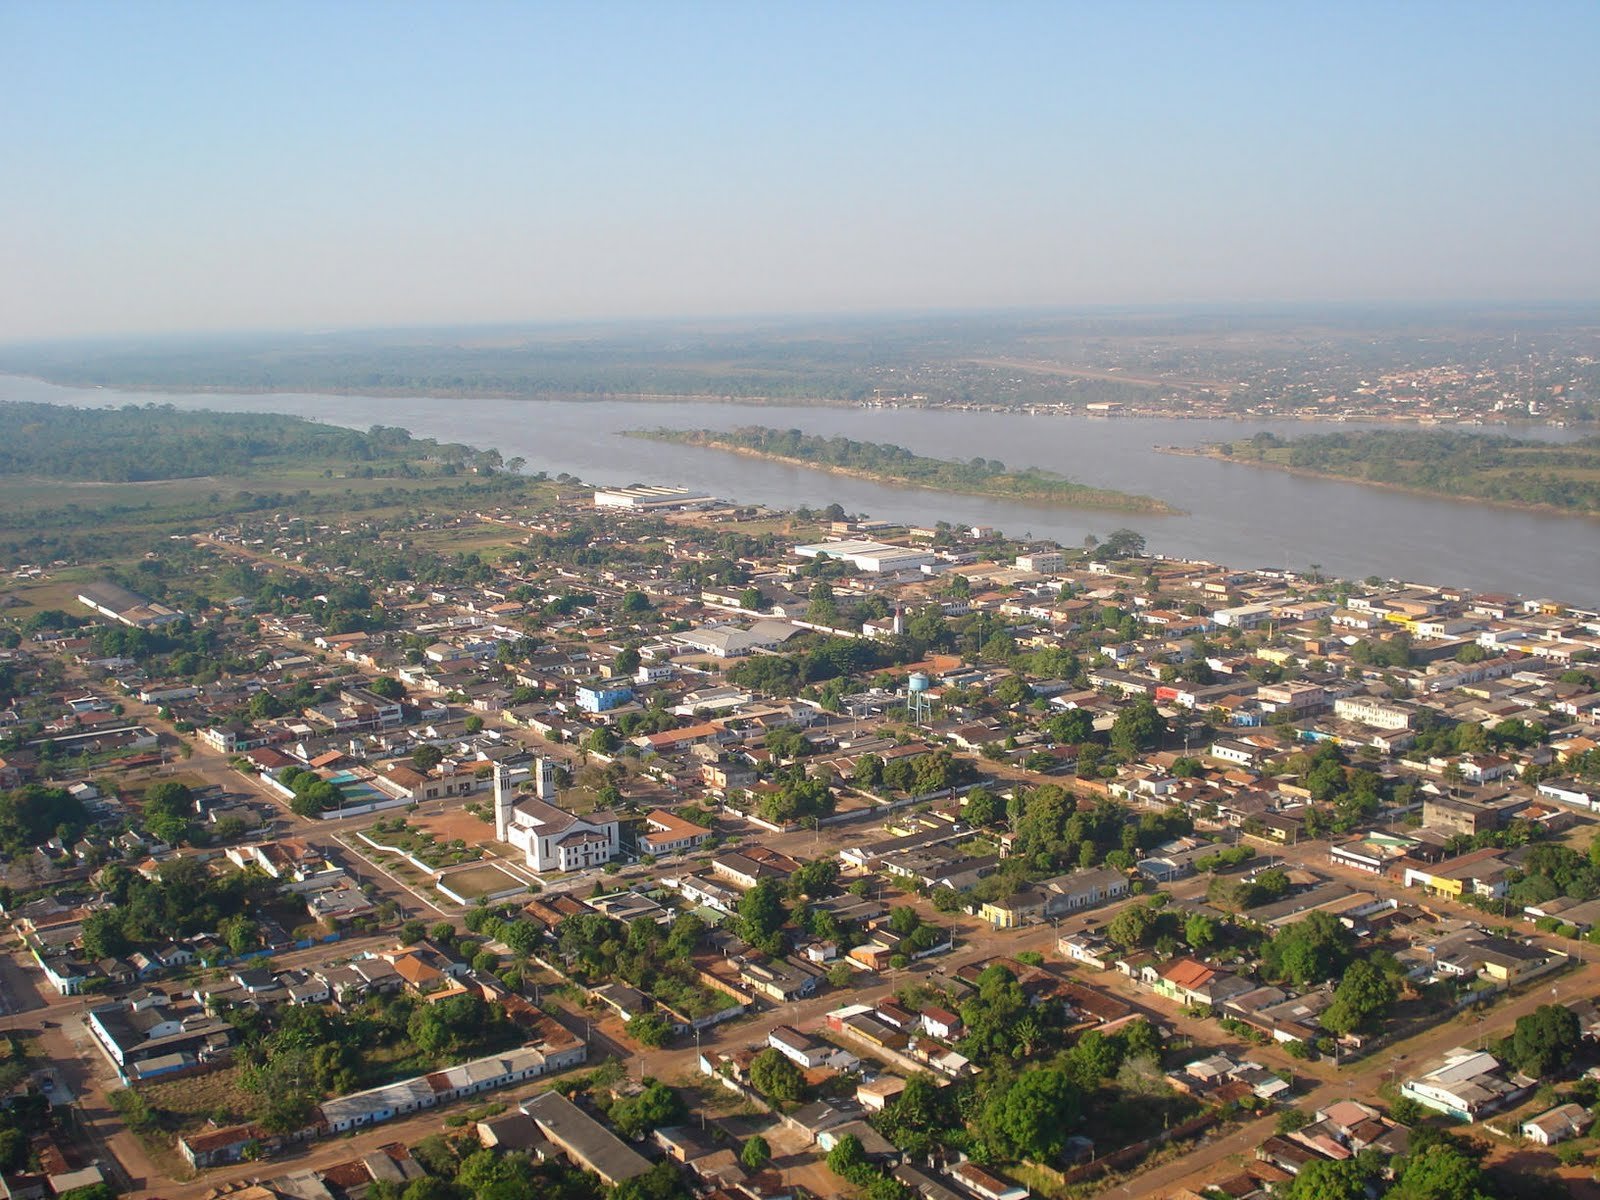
1492,469
884,462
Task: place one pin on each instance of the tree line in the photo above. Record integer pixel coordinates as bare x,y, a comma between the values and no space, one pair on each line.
139,443
896,464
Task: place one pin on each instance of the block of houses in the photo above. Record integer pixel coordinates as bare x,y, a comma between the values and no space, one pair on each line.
778,980
406,783
1479,873
1189,981
131,1033
923,1185
874,1095
746,869
212,1147
940,1023
1091,949
1057,897
808,1052
873,1144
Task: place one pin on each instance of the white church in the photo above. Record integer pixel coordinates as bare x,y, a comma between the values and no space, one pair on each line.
550,838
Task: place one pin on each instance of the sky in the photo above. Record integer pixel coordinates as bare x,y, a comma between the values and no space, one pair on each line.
171,167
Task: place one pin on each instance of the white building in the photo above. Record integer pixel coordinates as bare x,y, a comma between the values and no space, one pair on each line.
873,557
1373,711
1465,1084
1560,1123
550,838
732,641
1245,616
1043,562
648,497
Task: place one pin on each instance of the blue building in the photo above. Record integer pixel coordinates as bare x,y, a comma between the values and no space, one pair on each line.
603,697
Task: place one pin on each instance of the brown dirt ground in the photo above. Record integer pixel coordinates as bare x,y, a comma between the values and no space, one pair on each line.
451,824
1577,1182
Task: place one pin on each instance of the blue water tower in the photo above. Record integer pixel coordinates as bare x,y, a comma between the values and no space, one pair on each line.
918,701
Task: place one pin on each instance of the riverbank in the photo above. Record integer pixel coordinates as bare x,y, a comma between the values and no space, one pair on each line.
1033,485
1213,452
1233,516
1128,413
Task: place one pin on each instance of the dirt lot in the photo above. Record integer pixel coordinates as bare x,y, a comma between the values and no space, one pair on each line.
451,823
1533,1162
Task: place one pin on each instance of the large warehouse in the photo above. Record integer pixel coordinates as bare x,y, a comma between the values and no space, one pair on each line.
652,497
868,556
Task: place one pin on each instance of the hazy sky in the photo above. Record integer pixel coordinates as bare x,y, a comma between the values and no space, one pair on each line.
171,166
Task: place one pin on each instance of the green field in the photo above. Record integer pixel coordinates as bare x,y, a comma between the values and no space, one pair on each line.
114,485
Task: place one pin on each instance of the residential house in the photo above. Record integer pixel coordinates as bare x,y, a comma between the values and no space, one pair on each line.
1557,1125
670,834
1057,897
1189,981
985,1184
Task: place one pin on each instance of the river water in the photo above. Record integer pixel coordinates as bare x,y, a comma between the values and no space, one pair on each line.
1236,515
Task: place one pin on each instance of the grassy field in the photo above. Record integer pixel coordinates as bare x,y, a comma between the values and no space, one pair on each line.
59,590
188,1103
481,539
139,505
42,520
471,882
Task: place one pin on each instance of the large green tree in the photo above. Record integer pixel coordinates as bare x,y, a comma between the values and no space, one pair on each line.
1311,950
775,1077
1543,1040
1033,1116
1323,1179
1363,996
1137,727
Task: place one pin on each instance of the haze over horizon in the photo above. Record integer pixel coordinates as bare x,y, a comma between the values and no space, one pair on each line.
182,167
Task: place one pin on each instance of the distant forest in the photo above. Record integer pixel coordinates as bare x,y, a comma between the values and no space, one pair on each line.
1291,359
934,359
895,464
1469,465
136,444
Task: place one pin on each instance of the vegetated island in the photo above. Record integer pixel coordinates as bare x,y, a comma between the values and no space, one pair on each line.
1513,472
884,462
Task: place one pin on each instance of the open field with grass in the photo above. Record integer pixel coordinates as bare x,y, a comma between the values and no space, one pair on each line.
58,590
486,879
485,539
168,474
188,1103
